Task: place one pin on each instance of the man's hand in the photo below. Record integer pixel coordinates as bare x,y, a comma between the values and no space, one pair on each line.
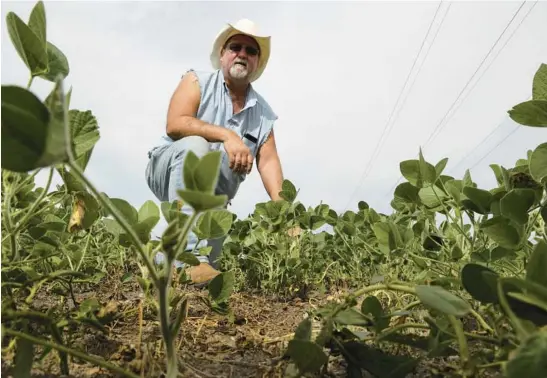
241,159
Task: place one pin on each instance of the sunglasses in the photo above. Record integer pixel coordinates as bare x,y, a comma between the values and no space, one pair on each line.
236,47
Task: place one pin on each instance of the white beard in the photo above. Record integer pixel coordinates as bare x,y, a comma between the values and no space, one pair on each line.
237,71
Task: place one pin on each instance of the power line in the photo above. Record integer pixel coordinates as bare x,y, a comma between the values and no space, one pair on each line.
516,128
478,68
474,148
438,127
377,148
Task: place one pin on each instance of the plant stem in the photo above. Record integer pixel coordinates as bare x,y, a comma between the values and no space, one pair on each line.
117,216
35,204
163,288
9,225
75,353
481,321
462,342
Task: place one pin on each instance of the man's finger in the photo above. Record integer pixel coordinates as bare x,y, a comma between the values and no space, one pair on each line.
237,166
249,163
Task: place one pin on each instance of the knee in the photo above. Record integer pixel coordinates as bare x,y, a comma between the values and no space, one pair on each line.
197,144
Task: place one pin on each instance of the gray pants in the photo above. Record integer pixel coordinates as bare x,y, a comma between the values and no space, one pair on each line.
164,178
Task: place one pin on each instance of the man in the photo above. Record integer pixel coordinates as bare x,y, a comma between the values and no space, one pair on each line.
219,111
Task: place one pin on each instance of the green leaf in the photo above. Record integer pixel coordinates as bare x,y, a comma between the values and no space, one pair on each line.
371,305
432,196
148,210
288,191
91,209
362,205
539,87
440,166
25,122
502,232
214,224
408,193
500,253
427,171
191,161
202,201
24,355
498,173
188,258
37,22
480,199
303,330
480,282
85,134
377,362
128,211
307,355
351,316
454,189
57,63
222,286
538,163
418,172
442,300
28,45
516,204
206,172
536,269
55,150
530,358
530,113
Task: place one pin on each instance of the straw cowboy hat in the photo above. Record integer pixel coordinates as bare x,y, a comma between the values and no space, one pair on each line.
246,27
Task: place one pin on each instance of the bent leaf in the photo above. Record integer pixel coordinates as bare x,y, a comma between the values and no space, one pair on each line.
442,300
222,286
480,282
536,269
28,45
202,201
25,122
57,63
530,113
502,232
206,172
538,163
515,204
530,359
37,21
307,355
214,224
539,86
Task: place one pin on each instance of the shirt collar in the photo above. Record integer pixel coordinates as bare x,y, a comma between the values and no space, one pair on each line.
250,100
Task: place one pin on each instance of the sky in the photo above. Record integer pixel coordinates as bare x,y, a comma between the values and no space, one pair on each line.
337,72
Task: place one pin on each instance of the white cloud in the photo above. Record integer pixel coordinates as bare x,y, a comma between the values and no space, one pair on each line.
335,73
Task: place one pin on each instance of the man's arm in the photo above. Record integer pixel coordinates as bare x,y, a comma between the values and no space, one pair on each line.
269,167
183,108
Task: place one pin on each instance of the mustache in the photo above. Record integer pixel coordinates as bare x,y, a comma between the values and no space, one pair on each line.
242,61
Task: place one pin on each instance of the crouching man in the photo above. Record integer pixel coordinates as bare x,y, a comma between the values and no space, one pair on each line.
219,111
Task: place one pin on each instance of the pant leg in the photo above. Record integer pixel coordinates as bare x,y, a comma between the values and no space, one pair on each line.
165,176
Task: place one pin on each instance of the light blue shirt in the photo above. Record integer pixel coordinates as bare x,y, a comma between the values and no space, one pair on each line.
253,123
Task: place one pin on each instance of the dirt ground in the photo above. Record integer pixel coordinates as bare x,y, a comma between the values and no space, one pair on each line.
248,342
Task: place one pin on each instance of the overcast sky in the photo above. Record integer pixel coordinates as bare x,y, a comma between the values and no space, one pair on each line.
335,74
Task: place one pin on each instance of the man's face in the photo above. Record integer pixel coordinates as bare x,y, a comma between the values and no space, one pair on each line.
240,57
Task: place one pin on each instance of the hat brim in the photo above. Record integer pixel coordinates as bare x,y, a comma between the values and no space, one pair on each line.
228,32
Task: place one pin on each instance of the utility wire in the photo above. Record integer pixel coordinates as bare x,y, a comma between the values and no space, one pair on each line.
516,128
377,148
439,127
480,77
